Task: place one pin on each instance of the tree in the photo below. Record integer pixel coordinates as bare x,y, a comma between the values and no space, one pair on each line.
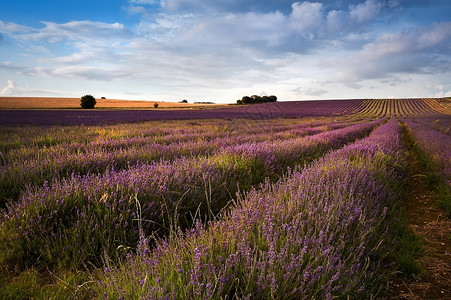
256,99
246,100
155,105
88,102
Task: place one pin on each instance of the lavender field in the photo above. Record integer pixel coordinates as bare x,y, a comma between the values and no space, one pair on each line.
289,200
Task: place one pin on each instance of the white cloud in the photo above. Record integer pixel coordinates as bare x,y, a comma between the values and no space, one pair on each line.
307,22
13,89
310,91
366,11
10,27
93,53
78,30
232,46
335,21
306,18
419,51
136,9
90,73
440,32
9,88
440,89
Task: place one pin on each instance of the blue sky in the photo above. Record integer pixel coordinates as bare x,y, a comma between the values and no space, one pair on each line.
204,50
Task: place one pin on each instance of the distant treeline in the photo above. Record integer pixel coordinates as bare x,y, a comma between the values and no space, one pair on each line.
256,99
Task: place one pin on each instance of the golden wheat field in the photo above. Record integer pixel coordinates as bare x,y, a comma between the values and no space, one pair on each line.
61,103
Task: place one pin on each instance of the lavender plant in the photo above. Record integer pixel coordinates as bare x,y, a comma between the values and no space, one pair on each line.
320,232
435,150
36,164
71,221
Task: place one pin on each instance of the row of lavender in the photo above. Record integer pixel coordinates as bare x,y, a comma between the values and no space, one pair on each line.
437,121
30,142
437,148
162,131
320,232
71,221
53,156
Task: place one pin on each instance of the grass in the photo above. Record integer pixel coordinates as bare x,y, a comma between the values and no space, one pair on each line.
409,249
44,284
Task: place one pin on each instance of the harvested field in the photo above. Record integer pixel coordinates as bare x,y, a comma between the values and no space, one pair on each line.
61,103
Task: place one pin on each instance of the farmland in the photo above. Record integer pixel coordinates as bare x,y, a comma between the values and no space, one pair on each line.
285,200
74,103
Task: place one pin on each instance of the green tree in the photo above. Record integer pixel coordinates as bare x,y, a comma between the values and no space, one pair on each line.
246,100
88,102
256,99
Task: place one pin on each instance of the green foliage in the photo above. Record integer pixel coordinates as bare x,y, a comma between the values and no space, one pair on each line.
88,102
155,105
408,249
34,284
256,99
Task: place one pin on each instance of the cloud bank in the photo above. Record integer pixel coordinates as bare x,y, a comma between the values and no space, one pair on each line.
225,49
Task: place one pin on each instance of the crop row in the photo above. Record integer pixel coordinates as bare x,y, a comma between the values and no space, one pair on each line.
319,233
35,166
114,141
440,105
403,107
36,137
71,221
438,122
434,150
436,144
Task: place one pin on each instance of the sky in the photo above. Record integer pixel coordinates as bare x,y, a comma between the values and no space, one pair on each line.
222,50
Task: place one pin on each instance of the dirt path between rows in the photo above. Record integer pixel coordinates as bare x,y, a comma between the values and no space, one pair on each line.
432,225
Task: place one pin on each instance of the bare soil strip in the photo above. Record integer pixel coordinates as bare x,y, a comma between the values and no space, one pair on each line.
434,227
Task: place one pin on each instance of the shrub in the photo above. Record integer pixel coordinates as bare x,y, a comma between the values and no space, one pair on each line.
87,102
